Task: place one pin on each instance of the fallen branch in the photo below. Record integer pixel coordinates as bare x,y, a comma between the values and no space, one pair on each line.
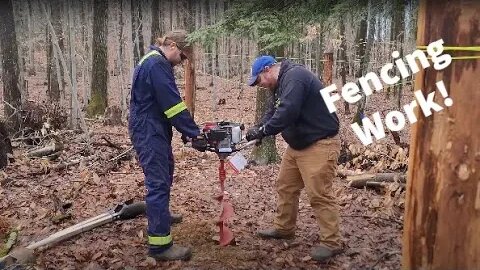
361,180
65,165
111,144
373,184
121,155
46,151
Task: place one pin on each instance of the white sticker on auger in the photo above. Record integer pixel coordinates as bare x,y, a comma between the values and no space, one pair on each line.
237,162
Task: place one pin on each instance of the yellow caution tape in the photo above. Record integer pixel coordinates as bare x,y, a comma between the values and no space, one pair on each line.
459,48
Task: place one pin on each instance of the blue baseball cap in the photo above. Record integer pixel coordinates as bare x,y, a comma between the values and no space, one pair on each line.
258,66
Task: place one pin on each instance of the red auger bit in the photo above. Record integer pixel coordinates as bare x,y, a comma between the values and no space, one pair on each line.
226,235
223,138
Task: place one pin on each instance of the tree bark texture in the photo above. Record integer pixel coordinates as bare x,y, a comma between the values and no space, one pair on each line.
98,101
442,219
10,71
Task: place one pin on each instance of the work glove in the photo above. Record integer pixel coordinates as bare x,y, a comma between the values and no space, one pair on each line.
199,143
255,133
185,139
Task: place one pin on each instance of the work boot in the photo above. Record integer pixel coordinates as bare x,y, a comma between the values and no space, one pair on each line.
173,253
275,234
323,253
176,218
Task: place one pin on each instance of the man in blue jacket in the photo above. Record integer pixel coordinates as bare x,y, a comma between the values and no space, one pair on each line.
300,114
155,107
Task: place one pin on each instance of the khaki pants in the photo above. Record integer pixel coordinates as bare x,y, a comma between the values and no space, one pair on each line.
314,169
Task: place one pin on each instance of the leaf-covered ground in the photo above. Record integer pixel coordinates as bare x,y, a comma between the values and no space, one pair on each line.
33,192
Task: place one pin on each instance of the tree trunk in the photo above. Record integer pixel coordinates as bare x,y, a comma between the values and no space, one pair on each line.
121,61
442,218
9,49
76,118
327,68
318,52
190,87
343,60
31,48
397,39
55,81
156,32
190,78
361,56
137,32
266,153
98,102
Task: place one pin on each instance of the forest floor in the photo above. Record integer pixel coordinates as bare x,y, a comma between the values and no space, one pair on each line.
32,192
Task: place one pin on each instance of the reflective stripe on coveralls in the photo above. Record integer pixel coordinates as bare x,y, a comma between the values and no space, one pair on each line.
159,240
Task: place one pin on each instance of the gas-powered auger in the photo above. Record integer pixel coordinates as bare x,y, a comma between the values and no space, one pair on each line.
224,138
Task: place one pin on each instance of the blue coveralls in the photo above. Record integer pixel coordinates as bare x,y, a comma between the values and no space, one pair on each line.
155,107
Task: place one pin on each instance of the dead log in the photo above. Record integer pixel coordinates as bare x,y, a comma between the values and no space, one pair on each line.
373,184
361,180
46,151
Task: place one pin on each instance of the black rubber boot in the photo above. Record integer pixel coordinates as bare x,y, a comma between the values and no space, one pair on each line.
323,253
173,253
176,218
275,234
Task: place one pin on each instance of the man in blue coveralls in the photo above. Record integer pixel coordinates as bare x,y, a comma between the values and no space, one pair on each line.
155,107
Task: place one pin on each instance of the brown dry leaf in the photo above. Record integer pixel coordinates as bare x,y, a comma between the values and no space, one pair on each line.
375,203
140,234
78,254
306,258
150,261
97,255
96,178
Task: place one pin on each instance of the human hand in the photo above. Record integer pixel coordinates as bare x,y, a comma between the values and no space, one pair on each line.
255,133
199,143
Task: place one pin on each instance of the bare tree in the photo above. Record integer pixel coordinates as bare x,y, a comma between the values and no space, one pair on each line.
343,60
31,47
8,43
121,60
98,102
156,32
137,30
76,118
54,74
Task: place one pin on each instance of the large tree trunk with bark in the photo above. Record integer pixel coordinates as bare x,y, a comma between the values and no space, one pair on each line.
98,102
54,74
266,153
156,32
137,31
343,60
442,219
10,72
361,56
397,35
